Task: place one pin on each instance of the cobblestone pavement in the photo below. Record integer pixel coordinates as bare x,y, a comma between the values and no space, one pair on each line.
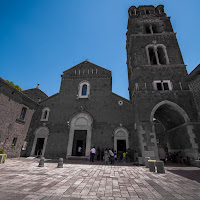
21,179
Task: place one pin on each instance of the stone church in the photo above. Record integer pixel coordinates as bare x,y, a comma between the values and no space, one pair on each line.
85,112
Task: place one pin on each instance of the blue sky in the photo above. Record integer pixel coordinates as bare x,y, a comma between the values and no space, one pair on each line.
39,39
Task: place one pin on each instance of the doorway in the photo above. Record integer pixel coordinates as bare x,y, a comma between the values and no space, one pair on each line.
121,147
39,146
79,143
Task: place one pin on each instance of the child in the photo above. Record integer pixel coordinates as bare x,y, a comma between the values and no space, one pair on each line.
124,157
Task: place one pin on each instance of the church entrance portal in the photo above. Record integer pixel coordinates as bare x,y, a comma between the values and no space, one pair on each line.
40,141
121,147
121,141
79,142
39,146
80,133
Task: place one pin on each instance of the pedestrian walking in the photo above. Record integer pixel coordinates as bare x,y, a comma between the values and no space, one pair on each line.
93,152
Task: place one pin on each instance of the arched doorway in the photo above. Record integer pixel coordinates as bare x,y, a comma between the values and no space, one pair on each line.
121,142
173,129
80,135
40,141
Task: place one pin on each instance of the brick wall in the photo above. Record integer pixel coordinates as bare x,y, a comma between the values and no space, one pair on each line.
11,103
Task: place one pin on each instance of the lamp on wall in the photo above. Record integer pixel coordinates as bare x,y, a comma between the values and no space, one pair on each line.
68,124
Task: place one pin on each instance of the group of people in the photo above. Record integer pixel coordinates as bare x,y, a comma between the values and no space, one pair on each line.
108,155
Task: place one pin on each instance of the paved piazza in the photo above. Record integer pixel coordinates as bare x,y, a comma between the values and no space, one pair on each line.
21,179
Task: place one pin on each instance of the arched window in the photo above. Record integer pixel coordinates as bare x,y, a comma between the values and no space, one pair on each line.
151,28
157,54
84,89
45,114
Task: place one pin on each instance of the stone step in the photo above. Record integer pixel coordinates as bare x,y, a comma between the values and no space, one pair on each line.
78,158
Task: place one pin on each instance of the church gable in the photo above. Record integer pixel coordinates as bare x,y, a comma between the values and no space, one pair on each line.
87,69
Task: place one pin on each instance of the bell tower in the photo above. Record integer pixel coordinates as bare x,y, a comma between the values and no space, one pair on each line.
157,86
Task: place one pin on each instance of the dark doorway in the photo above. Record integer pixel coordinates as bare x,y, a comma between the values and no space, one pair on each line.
39,146
79,143
121,147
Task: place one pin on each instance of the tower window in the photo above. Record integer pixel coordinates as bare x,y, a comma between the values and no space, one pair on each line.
165,86
159,86
161,56
162,85
157,54
154,28
84,90
148,29
23,113
151,28
152,56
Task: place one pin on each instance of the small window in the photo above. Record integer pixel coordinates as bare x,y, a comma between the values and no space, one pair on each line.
162,85
154,28
159,86
147,12
165,86
45,114
23,113
84,90
14,142
148,30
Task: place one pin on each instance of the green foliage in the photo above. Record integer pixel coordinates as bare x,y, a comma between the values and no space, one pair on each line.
2,151
16,86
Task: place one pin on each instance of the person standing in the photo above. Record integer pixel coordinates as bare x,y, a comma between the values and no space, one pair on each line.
111,157
115,155
93,152
79,151
124,157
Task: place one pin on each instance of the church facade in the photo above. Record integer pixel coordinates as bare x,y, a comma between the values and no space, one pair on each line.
161,112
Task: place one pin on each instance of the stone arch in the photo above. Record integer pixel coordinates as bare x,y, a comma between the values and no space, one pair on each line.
178,135
41,132
80,121
121,133
174,105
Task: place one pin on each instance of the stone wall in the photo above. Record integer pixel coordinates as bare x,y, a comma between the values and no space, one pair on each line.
11,126
194,83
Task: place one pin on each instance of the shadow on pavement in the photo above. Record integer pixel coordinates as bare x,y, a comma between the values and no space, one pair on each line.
187,173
